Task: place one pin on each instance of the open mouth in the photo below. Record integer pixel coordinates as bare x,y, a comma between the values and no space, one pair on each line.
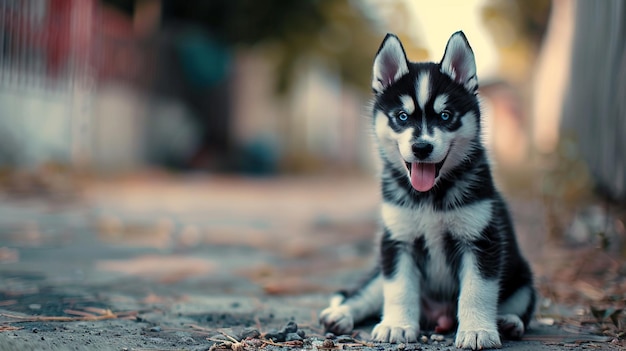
424,174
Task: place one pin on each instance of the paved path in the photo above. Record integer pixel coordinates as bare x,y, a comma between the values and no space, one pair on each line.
159,263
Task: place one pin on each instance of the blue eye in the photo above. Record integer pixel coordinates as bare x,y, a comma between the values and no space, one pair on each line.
403,116
445,115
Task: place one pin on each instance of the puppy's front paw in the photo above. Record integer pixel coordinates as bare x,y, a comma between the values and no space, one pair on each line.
337,319
477,339
395,332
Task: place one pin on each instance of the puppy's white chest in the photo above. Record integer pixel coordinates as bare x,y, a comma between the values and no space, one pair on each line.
465,223
406,224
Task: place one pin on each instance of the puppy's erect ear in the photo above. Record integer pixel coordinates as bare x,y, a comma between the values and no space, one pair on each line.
390,64
458,62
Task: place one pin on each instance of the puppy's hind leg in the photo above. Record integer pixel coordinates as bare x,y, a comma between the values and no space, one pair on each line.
347,309
515,312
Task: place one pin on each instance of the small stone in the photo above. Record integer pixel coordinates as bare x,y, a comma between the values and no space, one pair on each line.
155,329
328,343
401,346
437,337
546,321
35,330
254,343
344,339
329,335
293,337
187,340
275,335
424,339
42,338
250,333
301,333
291,327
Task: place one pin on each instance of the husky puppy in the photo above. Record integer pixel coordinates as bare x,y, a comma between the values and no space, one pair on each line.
448,256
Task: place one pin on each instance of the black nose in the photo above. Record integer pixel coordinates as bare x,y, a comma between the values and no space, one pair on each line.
422,150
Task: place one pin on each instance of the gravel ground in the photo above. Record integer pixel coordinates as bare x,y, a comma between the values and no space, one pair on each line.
161,263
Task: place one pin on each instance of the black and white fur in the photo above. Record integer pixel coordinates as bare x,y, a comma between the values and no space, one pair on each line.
448,254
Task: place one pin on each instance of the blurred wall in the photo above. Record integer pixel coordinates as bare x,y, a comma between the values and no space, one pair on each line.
46,86
594,108
109,88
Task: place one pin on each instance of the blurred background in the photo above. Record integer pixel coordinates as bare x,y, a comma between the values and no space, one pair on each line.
194,128
239,87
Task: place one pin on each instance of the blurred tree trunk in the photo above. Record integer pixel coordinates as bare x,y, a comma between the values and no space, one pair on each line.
594,111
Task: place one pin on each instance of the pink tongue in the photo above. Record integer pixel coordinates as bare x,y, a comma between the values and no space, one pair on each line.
422,176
